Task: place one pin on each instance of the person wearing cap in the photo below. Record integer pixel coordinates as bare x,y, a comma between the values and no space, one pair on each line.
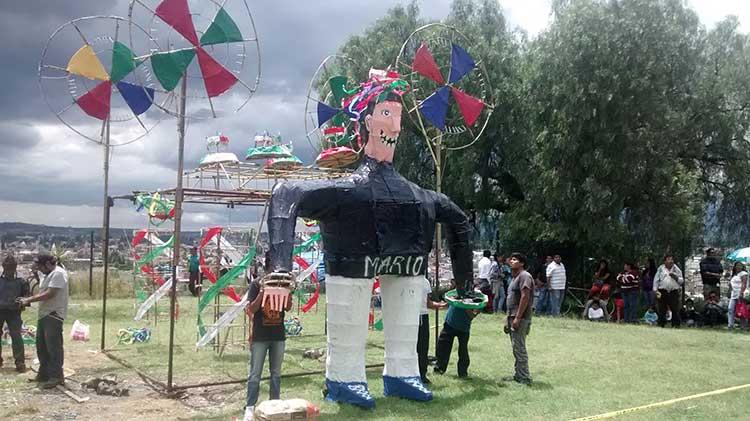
373,223
53,308
11,289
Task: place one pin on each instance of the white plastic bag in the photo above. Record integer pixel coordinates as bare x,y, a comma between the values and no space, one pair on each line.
80,331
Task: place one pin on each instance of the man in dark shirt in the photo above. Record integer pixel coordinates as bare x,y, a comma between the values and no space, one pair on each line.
11,289
194,284
520,301
267,336
711,272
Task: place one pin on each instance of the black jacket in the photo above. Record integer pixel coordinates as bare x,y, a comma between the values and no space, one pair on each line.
713,265
373,222
10,290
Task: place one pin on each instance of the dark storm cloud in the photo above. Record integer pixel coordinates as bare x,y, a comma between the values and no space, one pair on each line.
15,135
44,162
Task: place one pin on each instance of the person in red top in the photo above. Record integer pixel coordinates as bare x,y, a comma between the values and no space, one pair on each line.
629,282
602,281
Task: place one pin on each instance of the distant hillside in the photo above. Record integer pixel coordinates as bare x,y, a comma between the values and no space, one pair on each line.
20,228
9,231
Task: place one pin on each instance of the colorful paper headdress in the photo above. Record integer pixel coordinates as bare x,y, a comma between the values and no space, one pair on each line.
381,85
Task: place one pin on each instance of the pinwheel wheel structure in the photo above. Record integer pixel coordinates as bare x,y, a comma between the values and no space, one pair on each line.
328,127
435,107
458,123
186,45
174,23
458,106
103,79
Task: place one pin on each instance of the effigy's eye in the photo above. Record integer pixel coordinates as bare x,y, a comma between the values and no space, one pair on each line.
386,113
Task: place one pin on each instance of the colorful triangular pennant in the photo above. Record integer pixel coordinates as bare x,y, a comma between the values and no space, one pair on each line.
215,76
170,66
222,30
338,88
138,98
123,61
85,63
435,107
470,107
96,101
424,64
461,63
176,13
325,113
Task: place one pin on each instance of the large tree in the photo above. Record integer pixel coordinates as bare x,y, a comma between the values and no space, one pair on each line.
614,131
611,87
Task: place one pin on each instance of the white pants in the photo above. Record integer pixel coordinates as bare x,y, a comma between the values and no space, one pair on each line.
348,306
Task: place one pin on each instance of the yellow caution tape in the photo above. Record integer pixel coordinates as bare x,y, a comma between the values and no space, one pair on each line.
663,403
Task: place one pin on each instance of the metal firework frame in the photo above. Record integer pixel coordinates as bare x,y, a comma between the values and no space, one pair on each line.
236,184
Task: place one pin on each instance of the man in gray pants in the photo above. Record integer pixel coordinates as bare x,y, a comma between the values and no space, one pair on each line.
520,301
53,308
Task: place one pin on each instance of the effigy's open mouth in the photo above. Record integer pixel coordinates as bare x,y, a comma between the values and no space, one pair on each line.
389,141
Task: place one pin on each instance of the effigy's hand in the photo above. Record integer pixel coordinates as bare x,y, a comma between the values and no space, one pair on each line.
277,289
278,279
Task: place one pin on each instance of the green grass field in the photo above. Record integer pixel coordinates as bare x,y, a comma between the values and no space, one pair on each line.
579,368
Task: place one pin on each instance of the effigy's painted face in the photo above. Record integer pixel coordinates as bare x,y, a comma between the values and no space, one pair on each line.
383,127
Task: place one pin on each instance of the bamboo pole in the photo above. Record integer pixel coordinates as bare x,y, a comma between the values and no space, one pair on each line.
105,233
177,226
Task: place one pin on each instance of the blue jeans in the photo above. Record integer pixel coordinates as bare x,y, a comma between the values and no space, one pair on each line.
630,298
258,350
542,303
499,300
555,301
649,298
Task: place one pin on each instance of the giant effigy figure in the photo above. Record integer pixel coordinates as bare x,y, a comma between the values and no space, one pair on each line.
373,223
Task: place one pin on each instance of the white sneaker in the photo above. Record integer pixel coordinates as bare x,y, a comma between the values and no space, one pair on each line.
249,413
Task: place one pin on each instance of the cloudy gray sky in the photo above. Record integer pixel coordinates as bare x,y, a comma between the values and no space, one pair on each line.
51,176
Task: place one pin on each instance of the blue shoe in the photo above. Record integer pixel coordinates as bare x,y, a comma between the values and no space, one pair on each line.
406,387
354,393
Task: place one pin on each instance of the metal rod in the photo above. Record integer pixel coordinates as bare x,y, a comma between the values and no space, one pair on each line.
177,226
150,381
439,188
283,376
105,234
91,265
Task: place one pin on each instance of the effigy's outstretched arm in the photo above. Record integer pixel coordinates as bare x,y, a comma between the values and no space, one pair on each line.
458,232
291,199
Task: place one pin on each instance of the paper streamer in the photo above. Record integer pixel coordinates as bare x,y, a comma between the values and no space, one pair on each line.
307,245
222,284
146,269
150,301
309,270
205,268
153,254
225,319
